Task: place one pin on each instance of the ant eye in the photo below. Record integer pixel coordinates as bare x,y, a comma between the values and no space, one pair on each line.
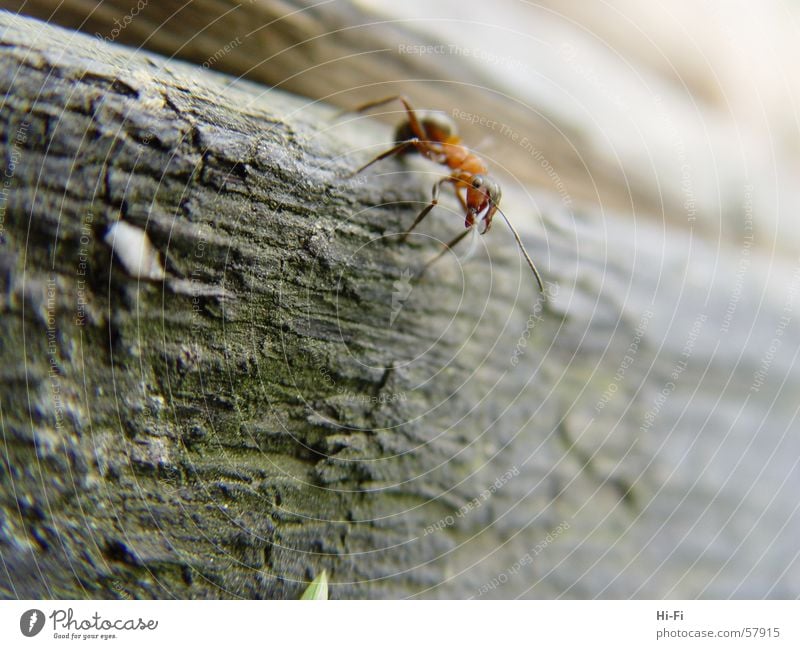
477,182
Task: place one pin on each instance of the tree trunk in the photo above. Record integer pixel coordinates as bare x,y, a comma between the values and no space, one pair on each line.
286,399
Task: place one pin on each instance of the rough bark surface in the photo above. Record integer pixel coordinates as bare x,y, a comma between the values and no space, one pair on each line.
282,403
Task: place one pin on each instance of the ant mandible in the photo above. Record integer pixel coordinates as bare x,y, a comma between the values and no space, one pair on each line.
434,136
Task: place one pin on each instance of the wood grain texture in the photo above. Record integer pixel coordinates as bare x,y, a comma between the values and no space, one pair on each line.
269,411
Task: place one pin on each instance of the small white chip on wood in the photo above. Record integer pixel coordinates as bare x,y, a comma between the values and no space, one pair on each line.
132,247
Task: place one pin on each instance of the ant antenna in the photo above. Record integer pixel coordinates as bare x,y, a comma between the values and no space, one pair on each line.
522,248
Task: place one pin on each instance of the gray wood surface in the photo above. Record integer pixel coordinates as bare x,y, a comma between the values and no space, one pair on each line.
283,404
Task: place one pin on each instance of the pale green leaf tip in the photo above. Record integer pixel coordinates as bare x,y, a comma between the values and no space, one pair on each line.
317,589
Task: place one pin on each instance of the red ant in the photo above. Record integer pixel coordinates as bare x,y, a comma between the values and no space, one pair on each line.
433,135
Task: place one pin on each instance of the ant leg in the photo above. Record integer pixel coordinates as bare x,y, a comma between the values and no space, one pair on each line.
442,252
416,127
461,199
434,202
398,148
373,104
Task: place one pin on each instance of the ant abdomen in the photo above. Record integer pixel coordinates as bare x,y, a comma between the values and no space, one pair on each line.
404,133
437,126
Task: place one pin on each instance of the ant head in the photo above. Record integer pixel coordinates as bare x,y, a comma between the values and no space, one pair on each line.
483,197
488,186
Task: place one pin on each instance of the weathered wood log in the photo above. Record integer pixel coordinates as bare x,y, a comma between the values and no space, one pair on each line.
285,400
